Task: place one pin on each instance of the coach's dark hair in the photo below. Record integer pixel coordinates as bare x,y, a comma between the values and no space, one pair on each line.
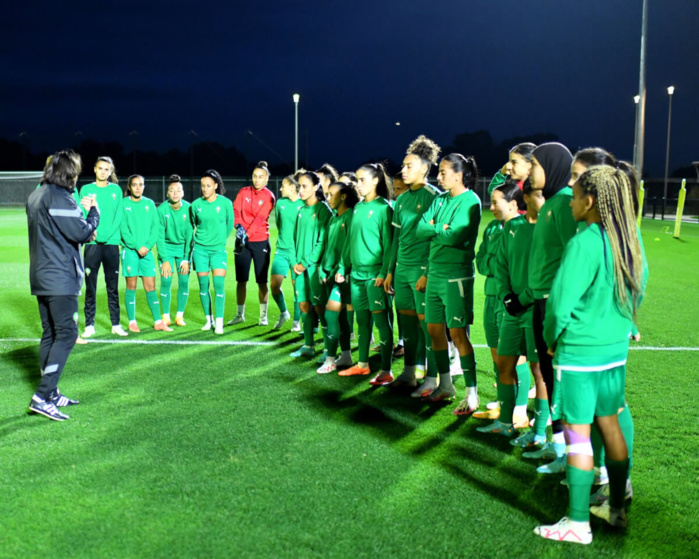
329,171
525,149
591,157
113,176
466,165
130,180
63,169
292,180
510,191
315,179
216,177
262,165
351,194
427,150
384,188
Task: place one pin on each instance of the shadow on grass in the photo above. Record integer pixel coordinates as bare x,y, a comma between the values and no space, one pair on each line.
27,360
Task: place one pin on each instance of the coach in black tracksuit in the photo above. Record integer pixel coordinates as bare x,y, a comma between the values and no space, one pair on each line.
56,231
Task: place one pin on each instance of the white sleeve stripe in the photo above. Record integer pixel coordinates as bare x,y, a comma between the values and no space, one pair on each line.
66,213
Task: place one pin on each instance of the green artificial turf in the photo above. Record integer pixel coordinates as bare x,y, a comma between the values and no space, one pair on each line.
242,451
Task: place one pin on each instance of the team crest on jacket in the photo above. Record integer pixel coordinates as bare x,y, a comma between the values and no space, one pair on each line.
218,209
313,216
419,206
147,208
113,196
184,217
260,202
371,212
548,215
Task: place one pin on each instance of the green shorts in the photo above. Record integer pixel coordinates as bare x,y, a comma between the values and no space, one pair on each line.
580,396
205,260
175,262
407,298
449,299
493,312
309,288
517,337
367,297
132,265
281,265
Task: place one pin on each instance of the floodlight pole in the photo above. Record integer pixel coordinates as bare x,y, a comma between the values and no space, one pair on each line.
641,106
297,97
670,91
636,100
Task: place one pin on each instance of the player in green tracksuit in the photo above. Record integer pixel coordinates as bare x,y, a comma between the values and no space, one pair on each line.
555,226
366,259
513,380
309,242
592,301
342,198
407,276
213,221
140,231
174,249
451,225
285,214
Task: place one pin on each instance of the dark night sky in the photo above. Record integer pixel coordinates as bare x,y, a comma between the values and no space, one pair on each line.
440,67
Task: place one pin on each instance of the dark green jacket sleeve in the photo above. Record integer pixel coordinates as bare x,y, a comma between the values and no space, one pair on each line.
387,236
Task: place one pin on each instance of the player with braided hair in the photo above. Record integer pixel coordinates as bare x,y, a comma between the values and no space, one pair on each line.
599,285
408,267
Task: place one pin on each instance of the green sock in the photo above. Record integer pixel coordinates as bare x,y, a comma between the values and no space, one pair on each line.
441,356
626,425
204,294
410,325
332,318
365,325
280,301
307,320
165,292
506,397
579,484
297,311
386,339
618,474
153,305
597,446
432,370
345,331
182,292
220,295
130,302
420,351
324,330
468,365
350,319
523,384
541,409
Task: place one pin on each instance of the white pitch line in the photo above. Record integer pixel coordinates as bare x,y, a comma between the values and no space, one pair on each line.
146,342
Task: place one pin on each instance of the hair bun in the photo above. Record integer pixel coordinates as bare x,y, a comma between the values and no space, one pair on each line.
425,149
175,178
262,164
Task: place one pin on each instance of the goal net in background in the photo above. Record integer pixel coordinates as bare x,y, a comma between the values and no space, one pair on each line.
16,186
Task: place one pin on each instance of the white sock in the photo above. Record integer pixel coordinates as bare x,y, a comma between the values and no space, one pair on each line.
346,355
445,381
166,316
158,321
208,319
430,382
329,360
180,315
363,365
520,410
130,322
559,438
472,391
263,310
241,310
408,373
219,322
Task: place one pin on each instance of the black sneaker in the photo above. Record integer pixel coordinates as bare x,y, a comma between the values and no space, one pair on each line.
61,401
39,405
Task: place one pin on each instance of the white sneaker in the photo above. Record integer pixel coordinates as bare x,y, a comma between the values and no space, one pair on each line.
326,368
566,530
239,319
613,517
207,327
218,329
89,332
263,322
282,319
118,330
296,326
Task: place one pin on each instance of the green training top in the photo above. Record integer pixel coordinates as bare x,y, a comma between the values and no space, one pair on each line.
177,230
336,234
407,248
511,265
487,253
584,323
109,201
554,228
140,226
309,234
285,214
368,253
213,222
453,248
498,180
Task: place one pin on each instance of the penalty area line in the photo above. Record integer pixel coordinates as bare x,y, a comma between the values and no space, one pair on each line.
631,348
149,342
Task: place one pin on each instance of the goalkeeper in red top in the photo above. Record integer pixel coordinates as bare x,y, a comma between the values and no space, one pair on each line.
252,208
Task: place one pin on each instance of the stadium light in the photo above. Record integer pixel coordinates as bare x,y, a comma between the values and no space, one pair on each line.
641,107
670,92
636,99
297,98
